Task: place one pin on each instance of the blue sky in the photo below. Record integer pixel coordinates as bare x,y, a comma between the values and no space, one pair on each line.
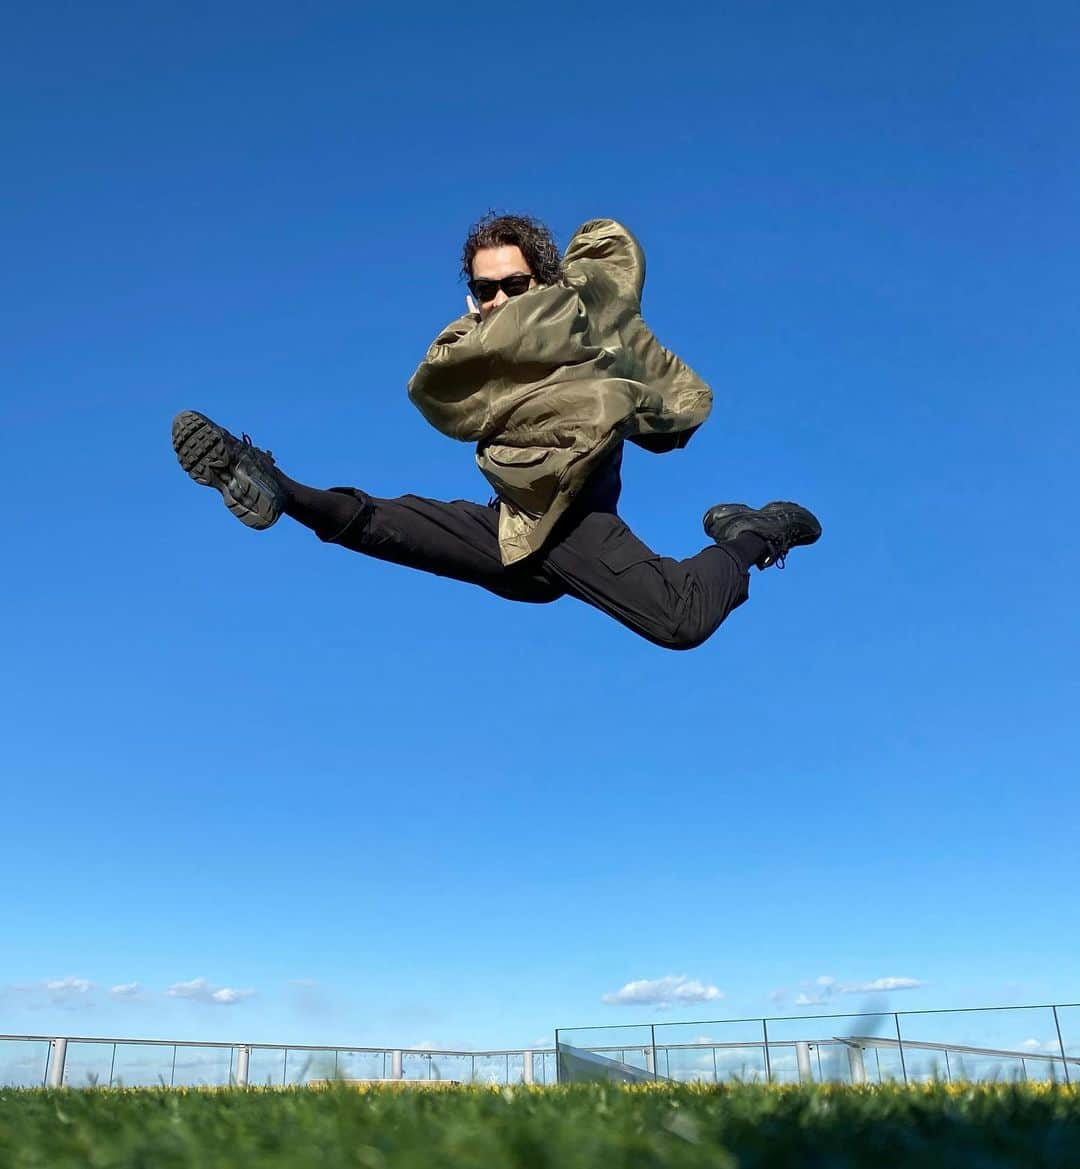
275,792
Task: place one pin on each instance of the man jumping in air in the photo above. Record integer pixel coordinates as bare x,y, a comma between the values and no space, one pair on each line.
549,372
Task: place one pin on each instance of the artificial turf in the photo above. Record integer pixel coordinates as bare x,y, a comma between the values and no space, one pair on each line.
572,1127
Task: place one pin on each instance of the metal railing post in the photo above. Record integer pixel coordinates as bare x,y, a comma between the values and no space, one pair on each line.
1061,1045
243,1059
856,1064
528,1072
802,1058
900,1045
397,1065
57,1059
652,1039
768,1061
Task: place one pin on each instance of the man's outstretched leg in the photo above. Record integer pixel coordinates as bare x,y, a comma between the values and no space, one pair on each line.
458,540
676,604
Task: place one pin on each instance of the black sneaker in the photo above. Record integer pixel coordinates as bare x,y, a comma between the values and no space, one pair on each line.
781,525
243,473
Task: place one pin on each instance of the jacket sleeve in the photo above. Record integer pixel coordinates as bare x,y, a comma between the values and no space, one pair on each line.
451,386
605,257
604,248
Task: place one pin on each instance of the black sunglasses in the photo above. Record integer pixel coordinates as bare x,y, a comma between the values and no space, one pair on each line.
485,290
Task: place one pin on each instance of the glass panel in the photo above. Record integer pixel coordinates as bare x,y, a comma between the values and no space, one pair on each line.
451,1067
203,1066
305,1065
416,1065
713,1064
88,1065
783,1065
266,1066
710,1052
363,1065
23,1062
142,1065
489,1068
1008,1044
627,1047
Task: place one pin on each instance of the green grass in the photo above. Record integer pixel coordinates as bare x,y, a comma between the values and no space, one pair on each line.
599,1127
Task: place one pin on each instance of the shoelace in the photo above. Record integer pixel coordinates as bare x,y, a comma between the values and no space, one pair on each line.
245,438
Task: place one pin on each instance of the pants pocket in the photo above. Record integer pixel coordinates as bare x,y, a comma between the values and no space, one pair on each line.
622,550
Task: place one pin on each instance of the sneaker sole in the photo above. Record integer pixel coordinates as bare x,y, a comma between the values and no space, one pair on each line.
203,450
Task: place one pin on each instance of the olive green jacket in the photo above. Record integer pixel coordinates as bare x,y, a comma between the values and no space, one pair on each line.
555,379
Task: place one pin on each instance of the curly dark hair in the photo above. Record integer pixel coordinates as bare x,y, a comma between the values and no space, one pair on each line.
533,237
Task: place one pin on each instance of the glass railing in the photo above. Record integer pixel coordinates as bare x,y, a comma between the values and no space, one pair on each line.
36,1061
1039,1043
978,1044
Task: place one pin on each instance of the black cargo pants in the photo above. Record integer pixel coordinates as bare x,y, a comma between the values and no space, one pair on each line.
591,555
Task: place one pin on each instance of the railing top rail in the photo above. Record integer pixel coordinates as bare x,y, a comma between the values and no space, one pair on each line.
276,1046
799,1018
869,1041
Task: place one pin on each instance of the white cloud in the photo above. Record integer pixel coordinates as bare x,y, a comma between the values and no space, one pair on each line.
1034,1045
126,990
68,992
69,986
199,990
228,994
663,992
823,990
881,984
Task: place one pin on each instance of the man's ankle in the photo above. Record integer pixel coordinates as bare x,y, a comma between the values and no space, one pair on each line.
747,547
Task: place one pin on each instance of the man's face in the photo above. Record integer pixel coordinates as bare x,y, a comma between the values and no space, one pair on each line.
496,264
